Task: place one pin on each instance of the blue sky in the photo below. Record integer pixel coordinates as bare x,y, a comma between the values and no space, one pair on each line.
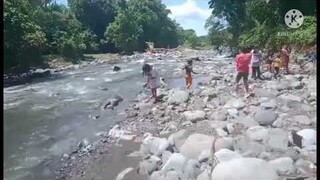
190,14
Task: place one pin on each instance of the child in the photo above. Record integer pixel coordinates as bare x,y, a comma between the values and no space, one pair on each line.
256,62
277,65
285,57
153,79
269,60
188,70
243,61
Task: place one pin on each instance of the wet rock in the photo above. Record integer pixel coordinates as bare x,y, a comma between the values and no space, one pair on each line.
195,144
178,96
123,173
147,166
257,133
276,140
283,165
265,117
194,116
226,155
113,102
244,168
116,68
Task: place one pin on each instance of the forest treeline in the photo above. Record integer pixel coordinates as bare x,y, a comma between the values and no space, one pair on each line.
35,28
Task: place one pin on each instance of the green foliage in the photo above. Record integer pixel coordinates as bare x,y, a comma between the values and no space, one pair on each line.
261,25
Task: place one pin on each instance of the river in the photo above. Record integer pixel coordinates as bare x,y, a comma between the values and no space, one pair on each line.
46,119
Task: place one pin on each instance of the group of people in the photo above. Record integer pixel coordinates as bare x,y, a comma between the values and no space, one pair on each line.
247,60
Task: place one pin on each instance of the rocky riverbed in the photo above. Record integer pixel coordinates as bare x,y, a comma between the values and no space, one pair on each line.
209,132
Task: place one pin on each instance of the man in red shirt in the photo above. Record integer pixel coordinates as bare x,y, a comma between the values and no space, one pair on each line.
243,61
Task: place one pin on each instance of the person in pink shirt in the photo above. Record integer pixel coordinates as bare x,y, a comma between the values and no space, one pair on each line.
243,61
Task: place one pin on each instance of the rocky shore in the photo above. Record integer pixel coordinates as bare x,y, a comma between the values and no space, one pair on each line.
210,133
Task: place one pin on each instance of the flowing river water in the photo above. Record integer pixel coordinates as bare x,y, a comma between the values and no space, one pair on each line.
46,119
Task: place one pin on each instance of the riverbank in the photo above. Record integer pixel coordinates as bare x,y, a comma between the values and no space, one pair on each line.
181,136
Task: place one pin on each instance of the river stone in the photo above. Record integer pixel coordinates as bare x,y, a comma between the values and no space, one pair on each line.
277,140
235,103
204,156
185,168
309,137
283,165
305,167
177,97
247,148
290,97
244,168
194,116
178,138
155,145
303,120
203,176
269,104
257,133
195,144
265,117
210,92
165,156
147,166
267,75
223,143
226,155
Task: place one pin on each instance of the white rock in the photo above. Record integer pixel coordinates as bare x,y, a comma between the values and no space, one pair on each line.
269,105
223,143
154,145
305,167
277,139
178,138
165,156
204,176
219,116
235,103
233,112
147,166
159,175
247,148
244,169
278,123
221,132
257,133
205,155
123,173
309,137
195,144
283,165
226,155
194,116
177,97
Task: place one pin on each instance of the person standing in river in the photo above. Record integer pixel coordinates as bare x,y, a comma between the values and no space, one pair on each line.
256,63
285,57
187,72
243,60
153,80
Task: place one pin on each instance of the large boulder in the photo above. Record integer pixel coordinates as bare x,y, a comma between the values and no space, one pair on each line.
226,155
244,168
177,97
194,116
195,144
276,140
178,138
283,165
246,147
265,117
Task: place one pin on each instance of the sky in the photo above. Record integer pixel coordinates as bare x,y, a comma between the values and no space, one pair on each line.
190,14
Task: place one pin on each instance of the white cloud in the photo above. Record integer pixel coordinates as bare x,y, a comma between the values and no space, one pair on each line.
190,16
188,9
